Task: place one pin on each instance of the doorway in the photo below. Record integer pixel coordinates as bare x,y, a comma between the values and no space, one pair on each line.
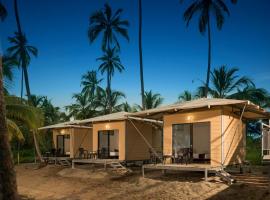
108,144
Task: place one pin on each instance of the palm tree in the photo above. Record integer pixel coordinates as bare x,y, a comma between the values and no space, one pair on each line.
3,12
8,65
8,177
127,107
152,100
140,53
206,8
22,51
259,96
109,25
82,108
110,63
225,81
90,83
185,96
103,101
52,114
17,110
37,100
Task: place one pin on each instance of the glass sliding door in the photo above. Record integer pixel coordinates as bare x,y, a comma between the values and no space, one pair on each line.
60,144
182,137
108,142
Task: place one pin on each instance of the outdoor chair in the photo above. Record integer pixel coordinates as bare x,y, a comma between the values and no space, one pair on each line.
83,153
92,155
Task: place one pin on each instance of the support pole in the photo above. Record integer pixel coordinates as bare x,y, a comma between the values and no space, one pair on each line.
145,140
240,120
143,171
205,174
73,165
262,138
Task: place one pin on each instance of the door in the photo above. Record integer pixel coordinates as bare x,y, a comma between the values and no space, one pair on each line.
108,144
60,144
182,137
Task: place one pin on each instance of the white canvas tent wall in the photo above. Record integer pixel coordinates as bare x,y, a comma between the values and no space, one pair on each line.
265,142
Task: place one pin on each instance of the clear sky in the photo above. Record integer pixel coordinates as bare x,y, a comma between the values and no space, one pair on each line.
175,57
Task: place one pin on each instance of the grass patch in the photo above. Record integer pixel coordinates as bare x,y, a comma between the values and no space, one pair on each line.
253,150
26,156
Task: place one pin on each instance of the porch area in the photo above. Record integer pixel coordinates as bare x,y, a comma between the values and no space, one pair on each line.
193,167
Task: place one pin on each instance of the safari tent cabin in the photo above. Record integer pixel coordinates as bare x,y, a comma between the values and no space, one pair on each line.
69,138
115,136
212,130
112,136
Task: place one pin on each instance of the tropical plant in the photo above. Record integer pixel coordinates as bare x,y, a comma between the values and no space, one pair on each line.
90,83
82,108
3,12
152,100
103,101
225,81
110,62
108,24
205,9
8,190
37,100
259,96
8,65
22,52
140,54
127,107
18,110
185,96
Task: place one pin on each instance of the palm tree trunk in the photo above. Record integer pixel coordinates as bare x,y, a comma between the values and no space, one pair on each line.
17,17
25,73
22,78
27,87
8,190
140,53
209,58
109,91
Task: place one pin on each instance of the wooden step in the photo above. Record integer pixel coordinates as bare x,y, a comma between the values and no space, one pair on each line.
225,176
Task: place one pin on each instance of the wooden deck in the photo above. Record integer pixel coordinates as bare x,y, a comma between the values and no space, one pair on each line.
105,162
206,168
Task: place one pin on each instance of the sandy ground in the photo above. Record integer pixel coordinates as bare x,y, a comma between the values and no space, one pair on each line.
55,182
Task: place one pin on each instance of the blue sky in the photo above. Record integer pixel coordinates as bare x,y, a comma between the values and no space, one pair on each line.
175,57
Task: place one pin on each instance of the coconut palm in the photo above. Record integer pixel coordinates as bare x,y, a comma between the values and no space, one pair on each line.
18,110
259,96
127,107
140,53
90,83
205,9
225,81
3,12
103,101
9,188
110,62
185,96
8,65
82,108
152,100
108,24
37,100
22,52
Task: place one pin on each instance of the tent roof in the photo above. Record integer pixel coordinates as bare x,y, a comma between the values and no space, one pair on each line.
64,125
252,111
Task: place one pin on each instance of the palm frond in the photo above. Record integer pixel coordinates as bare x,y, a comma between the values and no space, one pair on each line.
14,131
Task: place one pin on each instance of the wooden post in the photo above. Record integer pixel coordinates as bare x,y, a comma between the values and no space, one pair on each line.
105,165
73,164
205,174
143,171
